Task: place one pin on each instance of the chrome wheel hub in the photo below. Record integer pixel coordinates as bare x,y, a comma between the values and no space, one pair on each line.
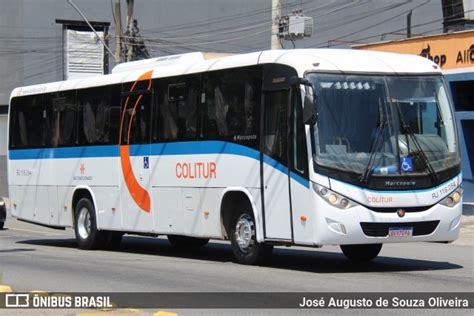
84,223
244,233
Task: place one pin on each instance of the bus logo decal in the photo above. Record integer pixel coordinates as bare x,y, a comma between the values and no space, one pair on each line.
139,194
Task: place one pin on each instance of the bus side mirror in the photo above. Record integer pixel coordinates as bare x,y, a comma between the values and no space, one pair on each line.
310,114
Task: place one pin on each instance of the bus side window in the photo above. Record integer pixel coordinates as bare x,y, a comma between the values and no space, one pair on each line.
175,114
298,137
26,122
138,111
95,107
276,125
61,109
231,105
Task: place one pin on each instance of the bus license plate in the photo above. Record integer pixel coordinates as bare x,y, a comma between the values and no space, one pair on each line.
400,232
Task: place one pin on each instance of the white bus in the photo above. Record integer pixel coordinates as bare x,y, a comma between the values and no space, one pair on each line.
300,147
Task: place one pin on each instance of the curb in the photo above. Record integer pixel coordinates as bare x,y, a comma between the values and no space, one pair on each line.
163,313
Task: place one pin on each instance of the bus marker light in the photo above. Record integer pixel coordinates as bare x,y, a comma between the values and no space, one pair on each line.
113,209
303,218
206,213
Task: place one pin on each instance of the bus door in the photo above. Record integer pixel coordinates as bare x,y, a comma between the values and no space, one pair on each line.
276,195
135,161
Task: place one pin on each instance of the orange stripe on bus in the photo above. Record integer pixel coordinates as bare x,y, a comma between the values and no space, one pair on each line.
140,195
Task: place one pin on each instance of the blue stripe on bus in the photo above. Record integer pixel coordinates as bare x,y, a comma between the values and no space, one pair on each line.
163,149
65,152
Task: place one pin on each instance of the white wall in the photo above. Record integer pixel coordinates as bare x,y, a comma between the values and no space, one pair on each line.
3,134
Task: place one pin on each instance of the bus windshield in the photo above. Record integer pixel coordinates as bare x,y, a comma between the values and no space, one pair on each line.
384,125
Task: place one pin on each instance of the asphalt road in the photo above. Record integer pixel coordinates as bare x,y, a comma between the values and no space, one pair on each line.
37,258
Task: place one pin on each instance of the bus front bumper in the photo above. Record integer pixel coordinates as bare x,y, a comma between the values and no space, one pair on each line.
360,225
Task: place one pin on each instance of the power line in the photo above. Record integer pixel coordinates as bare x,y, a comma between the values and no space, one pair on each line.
382,22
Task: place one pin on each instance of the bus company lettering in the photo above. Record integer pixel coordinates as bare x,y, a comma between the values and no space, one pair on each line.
379,199
196,170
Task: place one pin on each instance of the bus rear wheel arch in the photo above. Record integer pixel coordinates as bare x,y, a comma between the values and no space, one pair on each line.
361,253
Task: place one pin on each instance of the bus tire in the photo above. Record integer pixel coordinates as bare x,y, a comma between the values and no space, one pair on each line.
361,253
113,240
87,235
187,242
243,238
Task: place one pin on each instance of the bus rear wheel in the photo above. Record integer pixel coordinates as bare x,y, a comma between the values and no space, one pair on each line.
243,238
361,253
187,242
87,235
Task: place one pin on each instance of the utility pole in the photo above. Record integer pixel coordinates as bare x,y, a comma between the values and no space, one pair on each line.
409,24
130,48
276,15
118,32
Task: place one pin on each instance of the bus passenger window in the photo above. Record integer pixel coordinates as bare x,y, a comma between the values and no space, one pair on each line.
176,118
95,107
26,122
136,121
231,105
61,108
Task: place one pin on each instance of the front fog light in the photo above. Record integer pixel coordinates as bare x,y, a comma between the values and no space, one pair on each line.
333,199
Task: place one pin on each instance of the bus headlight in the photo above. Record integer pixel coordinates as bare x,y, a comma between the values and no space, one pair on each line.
333,198
454,198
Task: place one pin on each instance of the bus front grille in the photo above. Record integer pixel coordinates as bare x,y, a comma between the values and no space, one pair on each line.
395,209
381,229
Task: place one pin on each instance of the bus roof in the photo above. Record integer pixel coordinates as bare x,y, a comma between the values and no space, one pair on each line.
303,60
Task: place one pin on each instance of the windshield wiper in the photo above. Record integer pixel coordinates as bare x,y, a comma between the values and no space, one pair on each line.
421,153
375,145
374,151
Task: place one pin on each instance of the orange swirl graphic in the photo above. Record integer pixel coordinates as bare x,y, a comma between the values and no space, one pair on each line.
138,193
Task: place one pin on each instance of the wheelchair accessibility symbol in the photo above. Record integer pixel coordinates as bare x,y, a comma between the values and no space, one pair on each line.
406,164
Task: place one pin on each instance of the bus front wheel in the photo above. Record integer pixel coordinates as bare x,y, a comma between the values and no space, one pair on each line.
243,238
87,235
361,253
